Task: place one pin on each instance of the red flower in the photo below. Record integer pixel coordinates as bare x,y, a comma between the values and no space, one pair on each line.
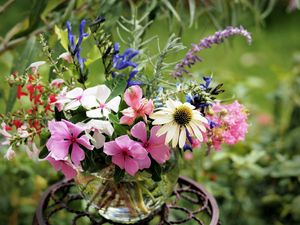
19,92
17,123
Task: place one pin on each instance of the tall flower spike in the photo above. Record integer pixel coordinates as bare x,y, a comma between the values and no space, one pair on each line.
191,58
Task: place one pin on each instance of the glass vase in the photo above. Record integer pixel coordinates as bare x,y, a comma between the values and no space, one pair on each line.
134,198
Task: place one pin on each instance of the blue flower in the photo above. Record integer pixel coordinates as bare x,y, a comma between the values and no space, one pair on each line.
122,61
75,49
130,82
212,124
207,82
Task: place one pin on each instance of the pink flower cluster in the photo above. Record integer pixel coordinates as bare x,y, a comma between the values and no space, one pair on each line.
231,124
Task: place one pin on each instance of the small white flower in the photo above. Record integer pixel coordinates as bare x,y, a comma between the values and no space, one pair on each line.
178,119
10,154
35,66
66,56
99,127
96,102
57,82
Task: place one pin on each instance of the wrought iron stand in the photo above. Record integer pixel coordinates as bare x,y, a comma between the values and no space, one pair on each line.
189,204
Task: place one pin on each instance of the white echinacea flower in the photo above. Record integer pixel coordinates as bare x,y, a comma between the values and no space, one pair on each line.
177,119
96,102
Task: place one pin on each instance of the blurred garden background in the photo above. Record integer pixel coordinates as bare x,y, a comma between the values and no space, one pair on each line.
255,182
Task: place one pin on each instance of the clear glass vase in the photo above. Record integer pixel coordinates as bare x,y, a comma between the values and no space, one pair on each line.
134,198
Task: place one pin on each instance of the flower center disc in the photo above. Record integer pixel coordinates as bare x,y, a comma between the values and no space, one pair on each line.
183,115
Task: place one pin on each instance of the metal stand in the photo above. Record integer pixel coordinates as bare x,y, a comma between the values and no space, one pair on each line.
189,204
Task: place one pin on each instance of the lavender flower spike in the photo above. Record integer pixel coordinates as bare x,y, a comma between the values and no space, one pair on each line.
191,58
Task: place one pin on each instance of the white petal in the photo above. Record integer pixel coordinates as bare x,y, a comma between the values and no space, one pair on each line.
176,136
89,101
197,116
102,93
36,64
99,140
95,113
101,125
172,104
196,131
75,93
164,129
182,137
105,112
114,104
199,125
160,121
73,105
171,133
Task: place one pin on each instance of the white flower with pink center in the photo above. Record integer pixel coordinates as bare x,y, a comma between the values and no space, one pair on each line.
97,103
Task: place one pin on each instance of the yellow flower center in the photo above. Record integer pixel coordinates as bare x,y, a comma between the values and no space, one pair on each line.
183,115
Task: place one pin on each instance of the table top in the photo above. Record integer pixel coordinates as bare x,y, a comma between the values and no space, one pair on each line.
190,204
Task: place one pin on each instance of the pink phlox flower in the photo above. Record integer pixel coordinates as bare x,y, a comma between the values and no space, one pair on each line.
65,136
138,106
232,124
97,102
65,166
156,146
127,154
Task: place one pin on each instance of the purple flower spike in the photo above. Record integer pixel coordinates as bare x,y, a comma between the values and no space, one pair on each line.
191,58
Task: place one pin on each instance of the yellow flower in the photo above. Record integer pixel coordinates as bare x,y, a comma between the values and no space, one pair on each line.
176,119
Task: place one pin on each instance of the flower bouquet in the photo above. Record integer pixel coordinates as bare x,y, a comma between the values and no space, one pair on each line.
119,139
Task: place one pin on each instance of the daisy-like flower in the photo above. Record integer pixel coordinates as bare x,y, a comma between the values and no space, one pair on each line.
177,119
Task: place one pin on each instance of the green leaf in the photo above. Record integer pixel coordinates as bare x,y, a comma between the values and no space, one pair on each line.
171,8
119,174
155,171
62,36
43,153
20,65
192,6
117,85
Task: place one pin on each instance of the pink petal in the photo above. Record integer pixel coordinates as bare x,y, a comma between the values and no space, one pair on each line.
148,107
127,120
160,153
154,138
77,154
124,142
118,160
138,152
133,95
58,148
58,129
131,166
84,141
139,131
144,163
111,148
68,170
73,128
55,163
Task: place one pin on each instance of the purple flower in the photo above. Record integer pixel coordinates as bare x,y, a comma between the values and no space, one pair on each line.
122,61
67,137
191,58
75,49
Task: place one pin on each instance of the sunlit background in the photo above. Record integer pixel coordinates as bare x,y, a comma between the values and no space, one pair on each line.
255,182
